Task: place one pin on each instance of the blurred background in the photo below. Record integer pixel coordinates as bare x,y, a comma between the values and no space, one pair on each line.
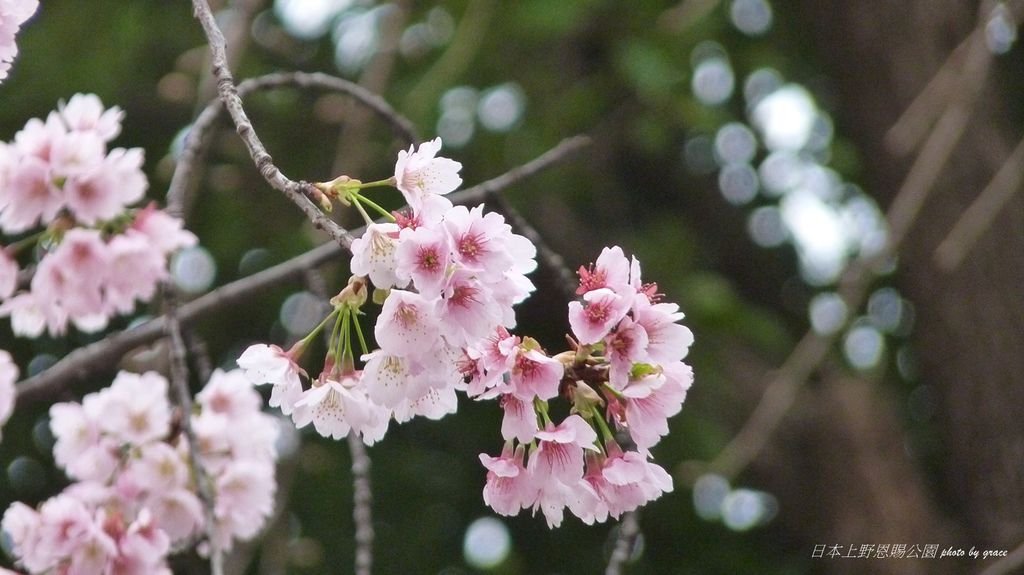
746,151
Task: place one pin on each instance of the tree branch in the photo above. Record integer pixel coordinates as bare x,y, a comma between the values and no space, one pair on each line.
180,191
979,215
300,193
362,509
102,355
183,397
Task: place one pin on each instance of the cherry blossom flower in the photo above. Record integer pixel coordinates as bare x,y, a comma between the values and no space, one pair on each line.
422,256
62,167
373,255
626,480
610,271
407,323
535,375
8,274
8,375
668,341
270,364
85,113
559,453
510,487
419,174
651,400
520,420
335,407
135,408
578,495
604,310
13,13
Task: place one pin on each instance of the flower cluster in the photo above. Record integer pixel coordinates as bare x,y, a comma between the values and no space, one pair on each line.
98,256
447,279
447,276
134,498
13,13
626,369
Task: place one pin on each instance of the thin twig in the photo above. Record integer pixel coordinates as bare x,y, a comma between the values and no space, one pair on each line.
562,150
179,191
912,125
979,215
362,499
300,193
183,397
105,353
783,389
625,541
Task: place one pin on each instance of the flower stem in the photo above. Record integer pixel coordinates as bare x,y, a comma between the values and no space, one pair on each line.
356,201
359,334
361,198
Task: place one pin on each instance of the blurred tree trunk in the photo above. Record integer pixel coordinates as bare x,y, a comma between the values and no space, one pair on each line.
968,335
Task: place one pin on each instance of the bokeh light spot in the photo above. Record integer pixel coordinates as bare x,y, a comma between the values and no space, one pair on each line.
487,543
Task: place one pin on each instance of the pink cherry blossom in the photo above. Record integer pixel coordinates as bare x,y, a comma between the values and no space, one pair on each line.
468,312
229,393
85,113
29,318
610,271
578,495
407,323
31,196
134,272
390,380
270,364
668,341
559,453
136,410
164,232
419,174
520,420
535,375
334,408
654,399
373,255
8,274
603,310
8,393
423,256
626,480
13,13
244,499
624,347
509,487
434,403
479,241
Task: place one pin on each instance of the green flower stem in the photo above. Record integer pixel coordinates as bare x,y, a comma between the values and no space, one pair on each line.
346,336
389,182
357,197
25,242
359,334
316,330
541,407
607,387
606,432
